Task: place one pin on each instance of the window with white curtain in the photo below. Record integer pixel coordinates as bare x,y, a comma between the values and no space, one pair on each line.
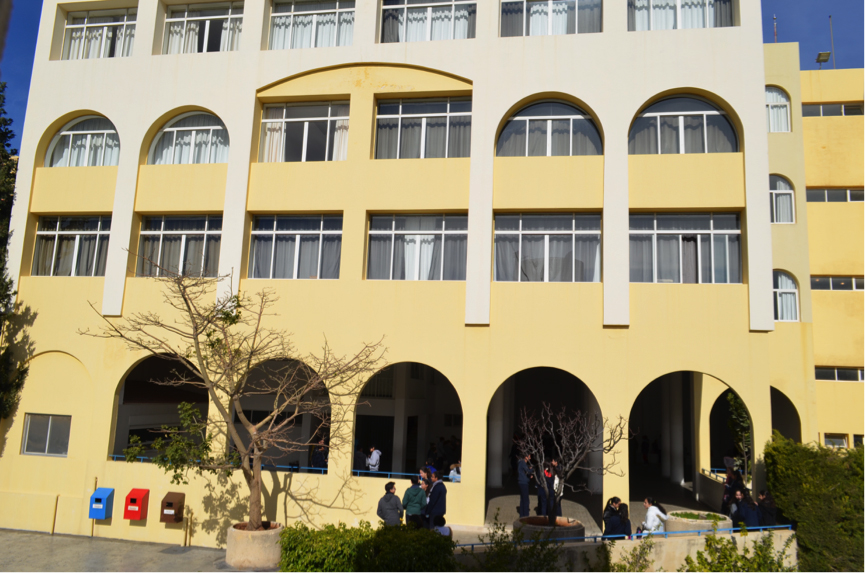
308,24
417,247
71,246
550,17
203,28
682,125
837,283
85,142
835,195
304,132
840,374
423,128
46,435
555,247
781,196
835,440
547,129
679,14
777,110
786,295
191,138
687,248
99,34
295,247
186,245
425,20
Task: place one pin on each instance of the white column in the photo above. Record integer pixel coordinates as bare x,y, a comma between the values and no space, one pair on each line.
677,449
495,427
665,426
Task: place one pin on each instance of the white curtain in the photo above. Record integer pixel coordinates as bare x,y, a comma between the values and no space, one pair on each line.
72,43
128,40
307,264
63,256
641,259
148,256
211,256
782,199
643,138
378,265
430,263
564,17
693,14
283,258
271,141
393,26
260,254
785,302
436,137
668,258
42,258
182,147
94,156
669,134
331,251
162,154
193,256
590,16
720,13
638,15
93,42
190,43
340,140
512,140
173,38
777,110
346,29
169,259
231,29
416,24
219,146
537,18
60,155
507,253
532,258
512,19
690,274
460,136
560,137
404,253
280,32
410,138
101,256
455,249
720,135
537,138
694,142
325,30
78,152
663,14
441,23
301,31
586,139
464,25
201,142
561,258
587,258
386,136
719,243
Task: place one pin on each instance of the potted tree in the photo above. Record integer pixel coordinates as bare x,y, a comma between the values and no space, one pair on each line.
227,341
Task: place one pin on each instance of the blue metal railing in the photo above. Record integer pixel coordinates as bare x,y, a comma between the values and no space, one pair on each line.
713,473
664,534
397,475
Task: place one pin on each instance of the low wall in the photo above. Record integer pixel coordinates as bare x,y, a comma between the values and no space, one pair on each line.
710,491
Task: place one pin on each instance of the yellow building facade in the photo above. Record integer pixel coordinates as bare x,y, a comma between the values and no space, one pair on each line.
581,201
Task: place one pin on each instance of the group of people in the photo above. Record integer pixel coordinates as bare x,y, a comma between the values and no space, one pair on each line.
741,507
617,521
551,475
424,503
444,455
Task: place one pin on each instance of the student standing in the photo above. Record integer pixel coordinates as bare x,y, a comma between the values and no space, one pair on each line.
414,502
656,515
373,461
524,474
437,504
389,506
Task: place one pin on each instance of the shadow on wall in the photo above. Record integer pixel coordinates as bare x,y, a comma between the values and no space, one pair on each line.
16,350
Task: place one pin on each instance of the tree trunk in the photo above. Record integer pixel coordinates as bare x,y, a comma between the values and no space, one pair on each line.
255,496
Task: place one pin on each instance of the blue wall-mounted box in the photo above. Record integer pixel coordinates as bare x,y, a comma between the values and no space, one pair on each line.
102,503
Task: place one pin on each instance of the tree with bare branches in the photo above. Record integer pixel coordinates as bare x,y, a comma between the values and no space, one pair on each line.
569,439
224,344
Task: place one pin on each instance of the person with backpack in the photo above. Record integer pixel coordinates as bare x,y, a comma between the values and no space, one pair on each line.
414,502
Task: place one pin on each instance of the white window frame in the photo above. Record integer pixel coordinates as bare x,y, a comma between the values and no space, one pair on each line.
853,281
777,292
232,15
47,436
429,6
337,11
848,193
574,232
773,193
843,109
842,437
194,130
835,371
162,233
305,120
681,125
679,17
711,231
321,233
64,131
785,105
550,118
424,116
393,233
129,20
57,233
549,17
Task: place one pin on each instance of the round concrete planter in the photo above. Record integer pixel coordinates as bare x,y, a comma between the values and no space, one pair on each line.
676,523
253,549
564,529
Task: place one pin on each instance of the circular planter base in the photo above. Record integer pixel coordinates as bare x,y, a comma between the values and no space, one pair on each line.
253,549
675,523
565,527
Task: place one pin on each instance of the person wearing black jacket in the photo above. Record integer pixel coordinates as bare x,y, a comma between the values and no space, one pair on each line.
524,474
437,504
766,508
615,523
746,510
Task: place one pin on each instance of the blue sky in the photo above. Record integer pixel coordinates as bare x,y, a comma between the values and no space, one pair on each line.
803,21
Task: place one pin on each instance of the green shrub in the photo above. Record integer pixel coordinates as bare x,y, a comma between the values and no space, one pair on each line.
820,490
510,551
636,560
721,554
407,548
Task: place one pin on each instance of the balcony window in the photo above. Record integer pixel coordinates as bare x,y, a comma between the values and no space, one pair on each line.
547,129
99,34
550,17
685,248
425,20
786,295
777,110
203,28
678,14
186,245
557,247
682,125
835,195
86,142
304,132
295,247
311,24
781,199
191,138
71,246
421,128
417,247
46,435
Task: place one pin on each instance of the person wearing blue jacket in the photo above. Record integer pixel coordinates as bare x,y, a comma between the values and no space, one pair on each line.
746,510
524,474
437,504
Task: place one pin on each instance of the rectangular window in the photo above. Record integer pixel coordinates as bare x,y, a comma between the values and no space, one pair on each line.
417,247
304,132
423,128
840,374
831,109
835,440
99,34
203,28
550,17
185,244
835,195
425,20
295,247
555,247
46,435
308,24
685,248
837,283
71,246
679,14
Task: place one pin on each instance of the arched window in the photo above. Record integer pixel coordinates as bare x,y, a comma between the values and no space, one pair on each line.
781,192
777,110
682,125
191,138
549,128
786,297
86,142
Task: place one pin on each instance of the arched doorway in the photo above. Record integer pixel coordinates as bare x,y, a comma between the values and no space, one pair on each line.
412,414
785,417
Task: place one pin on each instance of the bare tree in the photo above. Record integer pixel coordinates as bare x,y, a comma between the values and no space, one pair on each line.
569,439
223,344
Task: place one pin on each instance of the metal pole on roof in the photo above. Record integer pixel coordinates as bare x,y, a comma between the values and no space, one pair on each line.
832,38
775,24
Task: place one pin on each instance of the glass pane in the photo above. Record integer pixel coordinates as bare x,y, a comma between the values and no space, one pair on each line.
79,223
378,264
512,141
734,256
455,257
821,283
214,223
836,195
316,141
547,222
418,222
283,259
641,259
211,255
643,138
307,265
694,134
815,195
690,222
435,143
460,136
304,111
532,258
587,222
507,252
560,137
63,256
37,434
586,139
386,138
669,134
185,223
641,222
824,373
726,222
587,258
720,245
537,138
853,109
148,256
857,195
424,107
456,222
381,223
507,222
720,135
832,109
848,374
810,110
512,19
331,251
668,259
705,259
194,255
101,256
259,257
298,223
410,138
332,223
170,257
859,283
86,255
294,141
262,223
842,283
561,258
679,104
58,439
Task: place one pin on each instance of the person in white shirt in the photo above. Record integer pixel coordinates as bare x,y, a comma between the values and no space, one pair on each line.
656,515
373,460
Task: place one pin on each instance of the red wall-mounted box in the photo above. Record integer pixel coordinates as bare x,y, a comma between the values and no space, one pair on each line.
136,504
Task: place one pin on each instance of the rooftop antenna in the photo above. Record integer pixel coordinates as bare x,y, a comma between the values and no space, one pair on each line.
832,38
775,24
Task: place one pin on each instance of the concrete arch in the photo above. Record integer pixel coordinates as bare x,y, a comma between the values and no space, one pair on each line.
164,120
785,416
549,96
64,121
